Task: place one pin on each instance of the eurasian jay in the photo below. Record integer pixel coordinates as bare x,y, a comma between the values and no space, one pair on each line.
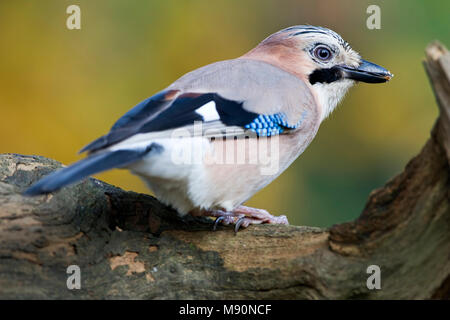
202,143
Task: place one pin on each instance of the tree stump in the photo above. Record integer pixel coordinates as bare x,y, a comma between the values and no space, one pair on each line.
128,245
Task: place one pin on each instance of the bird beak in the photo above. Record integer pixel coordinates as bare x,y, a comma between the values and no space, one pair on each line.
367,72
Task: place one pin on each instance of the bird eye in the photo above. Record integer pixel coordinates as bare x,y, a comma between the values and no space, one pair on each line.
322,53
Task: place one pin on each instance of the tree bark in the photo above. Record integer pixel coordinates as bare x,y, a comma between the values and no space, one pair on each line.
128,245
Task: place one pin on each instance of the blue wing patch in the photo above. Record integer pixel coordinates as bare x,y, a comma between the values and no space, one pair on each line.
270,125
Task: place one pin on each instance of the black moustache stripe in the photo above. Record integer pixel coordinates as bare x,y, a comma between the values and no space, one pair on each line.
325,75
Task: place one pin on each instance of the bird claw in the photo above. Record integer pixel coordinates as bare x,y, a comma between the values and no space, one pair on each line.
238,224
217,222
243,216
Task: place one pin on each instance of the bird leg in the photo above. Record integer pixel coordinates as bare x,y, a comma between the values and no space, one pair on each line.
243,216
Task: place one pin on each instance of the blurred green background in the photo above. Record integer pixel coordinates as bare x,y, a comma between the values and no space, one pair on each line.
60,88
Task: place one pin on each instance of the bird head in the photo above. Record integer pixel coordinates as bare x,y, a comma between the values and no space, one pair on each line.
320,57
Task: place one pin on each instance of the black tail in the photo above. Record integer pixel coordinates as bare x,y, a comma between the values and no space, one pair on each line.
91,165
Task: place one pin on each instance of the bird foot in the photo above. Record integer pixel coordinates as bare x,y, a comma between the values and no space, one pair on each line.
244,216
